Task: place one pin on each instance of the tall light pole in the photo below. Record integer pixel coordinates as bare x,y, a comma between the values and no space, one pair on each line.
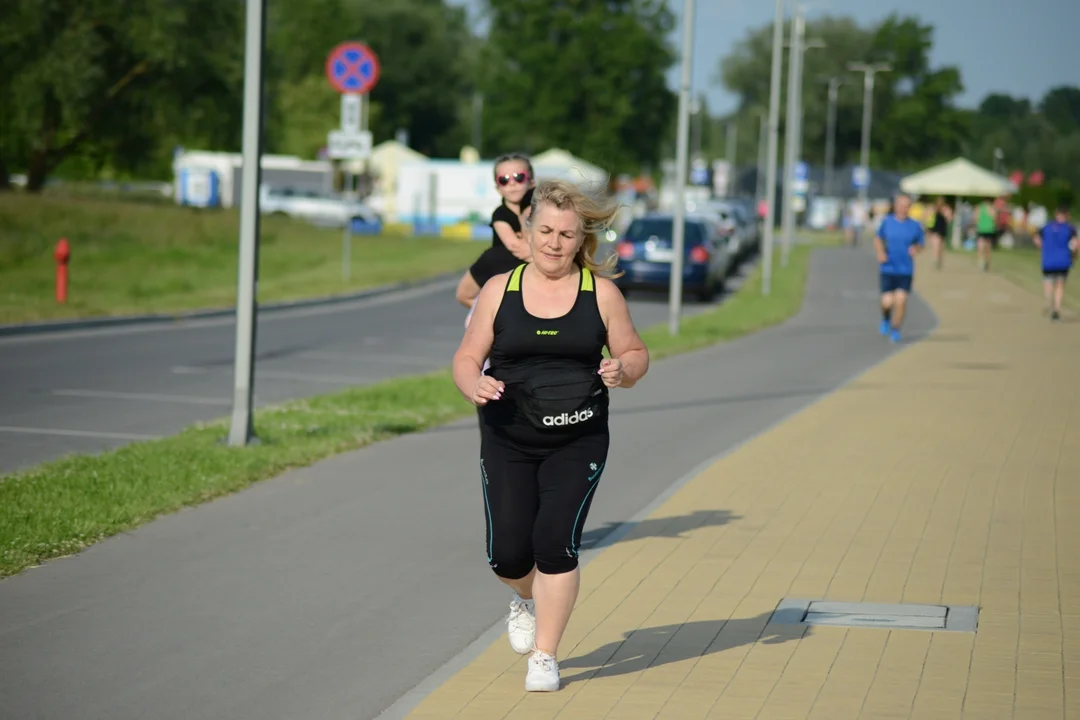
241,427
774,122
868,70
791,130
807,44
679,231
729,150
763,140
830,134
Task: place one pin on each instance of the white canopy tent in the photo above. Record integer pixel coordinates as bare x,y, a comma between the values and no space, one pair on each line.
958,177
557,162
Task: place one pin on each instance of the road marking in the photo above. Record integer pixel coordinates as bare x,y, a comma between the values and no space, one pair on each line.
277,375
372,357
152,397
267,316
76,433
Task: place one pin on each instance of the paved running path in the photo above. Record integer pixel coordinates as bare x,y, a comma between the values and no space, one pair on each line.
330,591
948,474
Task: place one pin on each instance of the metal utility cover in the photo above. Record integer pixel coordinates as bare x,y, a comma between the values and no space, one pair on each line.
886,616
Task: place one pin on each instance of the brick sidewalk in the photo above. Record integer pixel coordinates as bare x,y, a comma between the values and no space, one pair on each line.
946,475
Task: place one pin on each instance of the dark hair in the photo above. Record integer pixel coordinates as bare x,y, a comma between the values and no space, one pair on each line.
1063,209
507,157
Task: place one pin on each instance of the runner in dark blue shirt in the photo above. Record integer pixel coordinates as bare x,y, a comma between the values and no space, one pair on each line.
898,240
1059,244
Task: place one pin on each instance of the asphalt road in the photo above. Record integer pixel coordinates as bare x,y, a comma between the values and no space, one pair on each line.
332,591
86,391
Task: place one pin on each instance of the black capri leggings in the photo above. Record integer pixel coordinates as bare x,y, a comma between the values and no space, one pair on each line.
536,502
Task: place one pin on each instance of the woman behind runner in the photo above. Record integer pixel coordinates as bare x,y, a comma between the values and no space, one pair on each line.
514,182
544,410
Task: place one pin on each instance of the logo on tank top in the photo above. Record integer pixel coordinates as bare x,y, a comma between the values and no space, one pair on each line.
547,332
568,418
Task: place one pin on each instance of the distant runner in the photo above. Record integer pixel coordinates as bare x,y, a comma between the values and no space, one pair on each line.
939,230
986,229
898,240
1059,244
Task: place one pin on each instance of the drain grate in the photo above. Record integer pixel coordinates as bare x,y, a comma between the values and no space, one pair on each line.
948,618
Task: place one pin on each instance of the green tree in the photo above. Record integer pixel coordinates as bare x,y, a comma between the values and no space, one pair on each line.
585,75
99,81
915,119
424,52
1061,107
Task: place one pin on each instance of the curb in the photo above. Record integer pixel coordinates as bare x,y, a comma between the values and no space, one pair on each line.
164,318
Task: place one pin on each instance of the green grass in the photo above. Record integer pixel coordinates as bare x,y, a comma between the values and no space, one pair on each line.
133,257
1022,267
63,506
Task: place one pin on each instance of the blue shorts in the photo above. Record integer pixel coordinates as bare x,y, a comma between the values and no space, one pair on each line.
891,283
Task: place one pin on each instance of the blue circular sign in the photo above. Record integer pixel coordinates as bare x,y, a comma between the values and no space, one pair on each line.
352,67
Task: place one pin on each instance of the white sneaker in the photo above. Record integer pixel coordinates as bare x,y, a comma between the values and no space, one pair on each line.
521,625
543,675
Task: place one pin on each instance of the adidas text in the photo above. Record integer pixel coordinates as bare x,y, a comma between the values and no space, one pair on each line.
568,419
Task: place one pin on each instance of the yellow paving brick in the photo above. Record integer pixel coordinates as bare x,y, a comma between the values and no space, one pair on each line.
964,493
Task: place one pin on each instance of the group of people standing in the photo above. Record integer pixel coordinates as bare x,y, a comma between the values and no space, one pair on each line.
899,238
542,311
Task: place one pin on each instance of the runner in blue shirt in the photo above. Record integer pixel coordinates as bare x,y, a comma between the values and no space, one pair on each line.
898,239
1059,244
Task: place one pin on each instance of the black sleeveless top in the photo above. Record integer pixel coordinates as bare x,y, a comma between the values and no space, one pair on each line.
550,366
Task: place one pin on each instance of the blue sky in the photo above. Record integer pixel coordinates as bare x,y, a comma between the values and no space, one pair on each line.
1020,48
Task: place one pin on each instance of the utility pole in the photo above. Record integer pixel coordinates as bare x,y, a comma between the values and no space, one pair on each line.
241,428
791,131
868,70
763,141
830,134
807,44
774,131
678,234
730,148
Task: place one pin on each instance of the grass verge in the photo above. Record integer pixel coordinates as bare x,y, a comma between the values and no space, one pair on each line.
130,257
1023,267
60,507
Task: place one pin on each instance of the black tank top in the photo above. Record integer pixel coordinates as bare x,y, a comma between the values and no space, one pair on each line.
528,352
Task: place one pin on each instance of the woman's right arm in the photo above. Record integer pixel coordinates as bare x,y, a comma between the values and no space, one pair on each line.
476,344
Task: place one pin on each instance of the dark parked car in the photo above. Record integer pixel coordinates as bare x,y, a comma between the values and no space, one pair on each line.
645,255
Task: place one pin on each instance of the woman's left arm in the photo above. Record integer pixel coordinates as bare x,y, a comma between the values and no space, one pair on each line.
624,343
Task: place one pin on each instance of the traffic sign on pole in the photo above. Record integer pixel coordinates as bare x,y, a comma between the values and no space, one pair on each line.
345,145
352,67
860,177
350,112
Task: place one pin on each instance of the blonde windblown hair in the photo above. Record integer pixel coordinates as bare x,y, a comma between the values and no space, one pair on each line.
595,210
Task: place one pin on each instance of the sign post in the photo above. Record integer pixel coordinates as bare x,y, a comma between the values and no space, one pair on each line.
241,427
353,70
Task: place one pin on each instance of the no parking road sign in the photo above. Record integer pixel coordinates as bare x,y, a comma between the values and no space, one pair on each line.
352,67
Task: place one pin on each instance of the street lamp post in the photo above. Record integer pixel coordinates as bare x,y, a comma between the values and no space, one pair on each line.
774,122
678,234
763,141
793,131
830,134
790,130
868,70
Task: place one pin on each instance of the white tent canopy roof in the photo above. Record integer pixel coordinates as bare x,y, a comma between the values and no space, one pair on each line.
957,177
572,167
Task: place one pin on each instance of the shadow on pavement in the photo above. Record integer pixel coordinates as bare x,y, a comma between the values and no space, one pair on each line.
650,647
669,527
729,400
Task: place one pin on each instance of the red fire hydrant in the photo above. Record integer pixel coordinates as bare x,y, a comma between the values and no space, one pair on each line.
62,255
